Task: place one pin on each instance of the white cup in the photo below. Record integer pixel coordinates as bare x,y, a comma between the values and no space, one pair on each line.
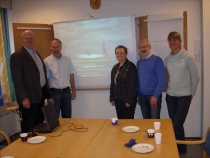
114,121
158,137
157,125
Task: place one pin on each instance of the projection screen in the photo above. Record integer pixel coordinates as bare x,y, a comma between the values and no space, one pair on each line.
90,44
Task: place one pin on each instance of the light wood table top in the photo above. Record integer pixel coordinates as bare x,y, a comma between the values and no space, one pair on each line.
53,147
102,140
109,142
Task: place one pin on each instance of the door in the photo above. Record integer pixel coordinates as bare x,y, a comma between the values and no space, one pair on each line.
43,35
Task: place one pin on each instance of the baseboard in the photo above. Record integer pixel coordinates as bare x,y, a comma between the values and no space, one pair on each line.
193,138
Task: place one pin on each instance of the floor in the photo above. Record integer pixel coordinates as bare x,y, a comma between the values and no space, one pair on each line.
193,151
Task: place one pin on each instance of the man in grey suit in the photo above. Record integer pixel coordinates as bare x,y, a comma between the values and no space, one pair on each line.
29,77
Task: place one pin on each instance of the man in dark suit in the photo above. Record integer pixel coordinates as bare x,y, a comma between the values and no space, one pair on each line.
29,78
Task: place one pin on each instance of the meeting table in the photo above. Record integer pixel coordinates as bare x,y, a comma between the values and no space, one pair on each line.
97,138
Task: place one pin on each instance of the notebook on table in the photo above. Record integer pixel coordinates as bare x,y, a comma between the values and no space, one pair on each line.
51,120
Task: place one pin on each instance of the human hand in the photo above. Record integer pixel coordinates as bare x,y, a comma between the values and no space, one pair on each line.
73,95
113,103
127,105
139,100
26,103
153,101
50,100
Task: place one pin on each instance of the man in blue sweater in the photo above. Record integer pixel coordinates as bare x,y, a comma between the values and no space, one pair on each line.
151,81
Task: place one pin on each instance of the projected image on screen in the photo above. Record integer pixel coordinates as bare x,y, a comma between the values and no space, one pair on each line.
90,44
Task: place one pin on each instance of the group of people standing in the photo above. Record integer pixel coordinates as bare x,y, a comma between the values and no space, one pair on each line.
36,80
145,82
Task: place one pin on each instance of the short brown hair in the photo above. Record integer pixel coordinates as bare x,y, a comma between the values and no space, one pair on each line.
56,39
174,35
121,46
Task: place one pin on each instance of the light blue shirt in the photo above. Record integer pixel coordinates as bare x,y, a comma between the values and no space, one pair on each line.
59,71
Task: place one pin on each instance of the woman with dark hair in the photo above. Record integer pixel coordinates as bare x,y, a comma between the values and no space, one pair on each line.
182,85
123,88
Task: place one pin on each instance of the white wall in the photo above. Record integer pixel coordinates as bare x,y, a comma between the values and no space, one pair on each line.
95,104
205,65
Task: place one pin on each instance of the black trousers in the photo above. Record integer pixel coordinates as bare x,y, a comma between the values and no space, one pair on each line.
31,117
178,108
124,112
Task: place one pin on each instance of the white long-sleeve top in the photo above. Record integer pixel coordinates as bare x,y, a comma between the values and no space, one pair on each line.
183,74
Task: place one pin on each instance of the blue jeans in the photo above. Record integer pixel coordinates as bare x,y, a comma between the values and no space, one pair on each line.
62,102
149,112
178,108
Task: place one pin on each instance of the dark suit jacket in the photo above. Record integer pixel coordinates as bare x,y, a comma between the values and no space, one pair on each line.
26,77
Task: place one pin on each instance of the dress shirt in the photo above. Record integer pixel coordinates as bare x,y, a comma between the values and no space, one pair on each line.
39,64
59,71
149,55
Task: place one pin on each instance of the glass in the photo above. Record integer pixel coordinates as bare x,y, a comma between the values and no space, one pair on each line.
143,47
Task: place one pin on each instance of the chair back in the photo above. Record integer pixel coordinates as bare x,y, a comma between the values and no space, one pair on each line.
207,144
6,137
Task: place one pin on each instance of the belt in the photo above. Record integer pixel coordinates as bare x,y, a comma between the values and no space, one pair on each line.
60,90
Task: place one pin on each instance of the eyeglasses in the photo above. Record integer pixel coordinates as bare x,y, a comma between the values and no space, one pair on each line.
143,47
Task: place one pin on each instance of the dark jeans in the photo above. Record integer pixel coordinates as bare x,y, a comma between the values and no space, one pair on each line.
178,108
124,112
31,117
149,112
62,102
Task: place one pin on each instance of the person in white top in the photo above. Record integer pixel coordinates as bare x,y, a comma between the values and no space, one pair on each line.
182,85
60,75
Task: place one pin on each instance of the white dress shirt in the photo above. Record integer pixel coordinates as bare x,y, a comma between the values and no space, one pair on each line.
59,71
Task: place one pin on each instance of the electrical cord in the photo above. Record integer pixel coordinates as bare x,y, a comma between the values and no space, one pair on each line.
72,127
78,128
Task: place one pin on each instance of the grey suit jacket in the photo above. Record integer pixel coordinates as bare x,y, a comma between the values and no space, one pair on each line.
26,77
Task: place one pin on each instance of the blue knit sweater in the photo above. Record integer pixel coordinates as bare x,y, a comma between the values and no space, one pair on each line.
151,76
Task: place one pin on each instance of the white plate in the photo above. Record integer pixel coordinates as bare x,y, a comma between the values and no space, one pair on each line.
130,129
143,148
36,139
7,157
